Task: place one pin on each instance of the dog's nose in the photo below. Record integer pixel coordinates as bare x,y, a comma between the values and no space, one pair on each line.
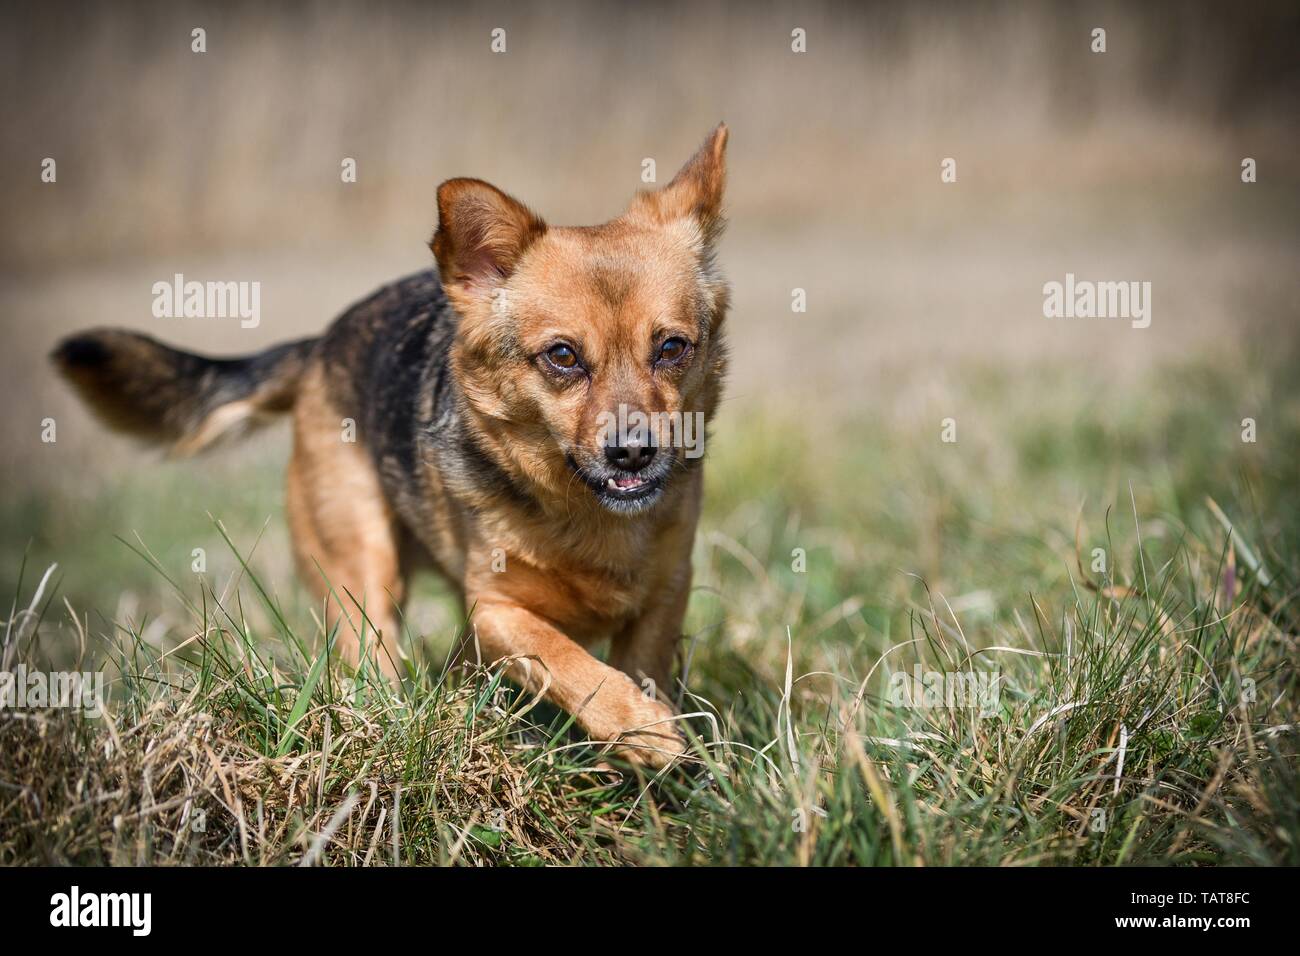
632,456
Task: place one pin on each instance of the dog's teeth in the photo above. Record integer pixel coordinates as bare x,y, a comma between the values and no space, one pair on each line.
613,485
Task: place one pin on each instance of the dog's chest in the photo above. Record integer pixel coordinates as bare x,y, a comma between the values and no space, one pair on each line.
606,602
591,588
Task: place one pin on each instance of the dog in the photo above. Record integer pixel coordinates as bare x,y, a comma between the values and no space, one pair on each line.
459,418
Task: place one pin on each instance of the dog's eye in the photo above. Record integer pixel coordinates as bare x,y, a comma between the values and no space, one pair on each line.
672,349
562,357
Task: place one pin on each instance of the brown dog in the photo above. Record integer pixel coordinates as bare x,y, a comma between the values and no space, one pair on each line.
465,418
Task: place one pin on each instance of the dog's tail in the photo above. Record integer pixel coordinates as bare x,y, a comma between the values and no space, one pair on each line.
139,386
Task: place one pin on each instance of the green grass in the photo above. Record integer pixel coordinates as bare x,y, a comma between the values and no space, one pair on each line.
1176,662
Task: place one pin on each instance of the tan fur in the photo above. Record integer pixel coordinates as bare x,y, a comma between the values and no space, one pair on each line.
222,420
578,573
343,531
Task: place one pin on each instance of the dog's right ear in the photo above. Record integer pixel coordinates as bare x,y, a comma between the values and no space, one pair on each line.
481,235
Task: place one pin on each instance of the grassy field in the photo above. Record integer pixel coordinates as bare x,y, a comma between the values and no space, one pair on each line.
1099,552
1144,703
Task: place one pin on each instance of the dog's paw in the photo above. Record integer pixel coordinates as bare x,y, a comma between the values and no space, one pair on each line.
650,735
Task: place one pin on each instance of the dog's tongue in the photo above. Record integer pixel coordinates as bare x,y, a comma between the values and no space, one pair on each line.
629,482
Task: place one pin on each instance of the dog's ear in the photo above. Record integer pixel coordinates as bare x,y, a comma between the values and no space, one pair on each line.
695,193
481,235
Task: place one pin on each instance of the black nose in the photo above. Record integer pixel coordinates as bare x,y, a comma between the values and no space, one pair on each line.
630,457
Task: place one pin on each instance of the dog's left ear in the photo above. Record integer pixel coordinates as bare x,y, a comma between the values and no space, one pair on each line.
695,193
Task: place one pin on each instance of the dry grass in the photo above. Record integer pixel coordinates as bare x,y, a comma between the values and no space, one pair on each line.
1146,713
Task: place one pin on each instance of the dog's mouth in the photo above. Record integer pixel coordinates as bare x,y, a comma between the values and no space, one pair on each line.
620,491
630,485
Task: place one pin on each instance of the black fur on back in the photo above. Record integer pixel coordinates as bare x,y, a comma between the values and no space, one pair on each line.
388,366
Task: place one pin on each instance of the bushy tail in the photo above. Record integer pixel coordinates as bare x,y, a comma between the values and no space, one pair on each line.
137,385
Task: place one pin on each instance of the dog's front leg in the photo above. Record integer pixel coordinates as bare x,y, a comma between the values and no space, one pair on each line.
646,649
604,701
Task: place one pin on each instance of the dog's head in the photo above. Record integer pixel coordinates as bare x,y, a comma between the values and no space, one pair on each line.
590,358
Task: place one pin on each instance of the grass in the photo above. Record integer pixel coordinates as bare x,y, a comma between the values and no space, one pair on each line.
1120,563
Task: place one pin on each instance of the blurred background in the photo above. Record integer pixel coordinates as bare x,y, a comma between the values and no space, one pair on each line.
924,299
